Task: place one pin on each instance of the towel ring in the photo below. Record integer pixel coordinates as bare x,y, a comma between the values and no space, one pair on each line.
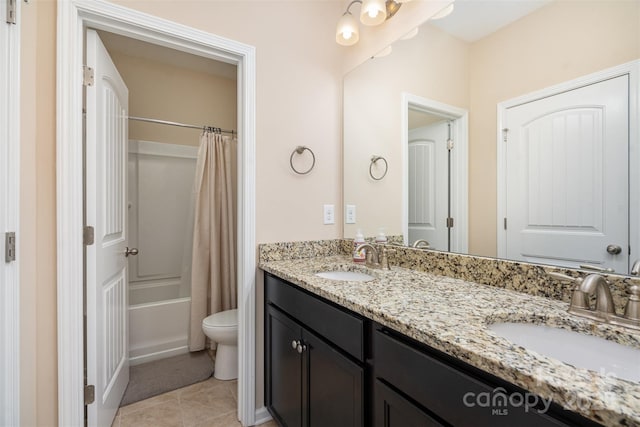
374,159
299,150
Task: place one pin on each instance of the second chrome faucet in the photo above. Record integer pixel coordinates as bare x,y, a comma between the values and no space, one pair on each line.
604,311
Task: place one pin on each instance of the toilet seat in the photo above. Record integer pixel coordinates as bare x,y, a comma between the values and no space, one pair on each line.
222,319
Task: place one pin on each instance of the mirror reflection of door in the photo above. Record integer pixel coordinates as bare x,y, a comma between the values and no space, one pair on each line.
429,174
567,177
435,190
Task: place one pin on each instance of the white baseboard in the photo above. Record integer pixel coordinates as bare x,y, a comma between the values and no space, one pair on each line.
262,416
150,357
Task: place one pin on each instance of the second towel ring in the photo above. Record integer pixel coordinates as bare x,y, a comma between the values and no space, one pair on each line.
374,159
299,150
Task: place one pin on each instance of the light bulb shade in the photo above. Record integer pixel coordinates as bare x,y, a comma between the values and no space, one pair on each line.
347,32
373,12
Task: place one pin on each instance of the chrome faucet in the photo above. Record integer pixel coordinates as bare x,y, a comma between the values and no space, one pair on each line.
374,258
598,285
372,254
595,284
421,244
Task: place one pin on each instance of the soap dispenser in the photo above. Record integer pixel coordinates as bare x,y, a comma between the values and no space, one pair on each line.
381,238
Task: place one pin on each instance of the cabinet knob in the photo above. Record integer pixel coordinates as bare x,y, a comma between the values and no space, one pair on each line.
301,348
295,344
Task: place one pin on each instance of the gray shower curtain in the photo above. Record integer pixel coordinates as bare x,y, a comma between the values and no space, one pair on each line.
213,265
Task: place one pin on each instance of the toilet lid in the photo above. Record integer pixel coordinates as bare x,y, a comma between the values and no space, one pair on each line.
222,319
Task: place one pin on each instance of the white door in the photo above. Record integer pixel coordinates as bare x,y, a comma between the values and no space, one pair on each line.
567,177
105,204
428,185
10,220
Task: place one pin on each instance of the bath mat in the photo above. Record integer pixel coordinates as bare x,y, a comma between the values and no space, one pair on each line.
160,376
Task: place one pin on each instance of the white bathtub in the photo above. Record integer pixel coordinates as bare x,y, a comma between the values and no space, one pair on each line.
158,321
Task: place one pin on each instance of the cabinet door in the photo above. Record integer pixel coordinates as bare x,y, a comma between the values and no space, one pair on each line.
283,368
393,410
334,384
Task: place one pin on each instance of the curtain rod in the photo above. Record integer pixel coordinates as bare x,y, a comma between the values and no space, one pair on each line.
184,125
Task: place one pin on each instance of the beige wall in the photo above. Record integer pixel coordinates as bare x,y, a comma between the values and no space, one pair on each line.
28,186
372,120
162,91
38,216
299,94
559,42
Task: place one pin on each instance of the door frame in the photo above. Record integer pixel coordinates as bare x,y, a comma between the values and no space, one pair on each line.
459,164
10,337
73,17
632,69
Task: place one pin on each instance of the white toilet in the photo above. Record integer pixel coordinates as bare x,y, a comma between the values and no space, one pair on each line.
222,328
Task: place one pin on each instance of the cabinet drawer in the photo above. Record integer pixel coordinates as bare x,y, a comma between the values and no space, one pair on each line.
344,329
451,394
393,410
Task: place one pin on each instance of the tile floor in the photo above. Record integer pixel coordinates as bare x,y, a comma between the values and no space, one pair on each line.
211,403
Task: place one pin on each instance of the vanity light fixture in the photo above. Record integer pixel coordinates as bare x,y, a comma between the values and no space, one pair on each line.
372,12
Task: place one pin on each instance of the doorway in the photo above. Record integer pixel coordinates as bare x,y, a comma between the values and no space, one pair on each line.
435,189
73,17
147,206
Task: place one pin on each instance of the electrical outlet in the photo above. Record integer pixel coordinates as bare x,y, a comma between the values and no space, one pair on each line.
329,214
350,214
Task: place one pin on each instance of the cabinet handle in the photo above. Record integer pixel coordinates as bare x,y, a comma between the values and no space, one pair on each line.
301,348
295,344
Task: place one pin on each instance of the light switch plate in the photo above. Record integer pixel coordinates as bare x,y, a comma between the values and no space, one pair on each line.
329,214
350,214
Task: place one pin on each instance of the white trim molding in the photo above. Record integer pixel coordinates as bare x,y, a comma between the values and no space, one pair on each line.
459,165
632,69
73,17
10,219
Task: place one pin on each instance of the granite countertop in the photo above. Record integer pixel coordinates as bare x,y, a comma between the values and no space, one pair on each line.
452,315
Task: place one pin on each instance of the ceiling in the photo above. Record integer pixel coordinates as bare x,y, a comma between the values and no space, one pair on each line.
472,20
137,48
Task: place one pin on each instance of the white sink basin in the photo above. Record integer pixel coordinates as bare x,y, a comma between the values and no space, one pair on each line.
579,350
349,276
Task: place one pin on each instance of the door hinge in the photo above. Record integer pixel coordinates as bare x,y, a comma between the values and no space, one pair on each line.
505,131
449,144
11,11
88,235
89,394
505,223
449,222
9,246
87,76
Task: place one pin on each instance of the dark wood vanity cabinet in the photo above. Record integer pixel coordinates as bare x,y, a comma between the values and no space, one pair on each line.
416,385
314,360
328,367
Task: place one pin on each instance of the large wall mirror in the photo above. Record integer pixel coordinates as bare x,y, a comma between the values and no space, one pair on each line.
434,109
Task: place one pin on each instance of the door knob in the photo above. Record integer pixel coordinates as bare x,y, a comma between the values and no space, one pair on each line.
130,251
614,249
